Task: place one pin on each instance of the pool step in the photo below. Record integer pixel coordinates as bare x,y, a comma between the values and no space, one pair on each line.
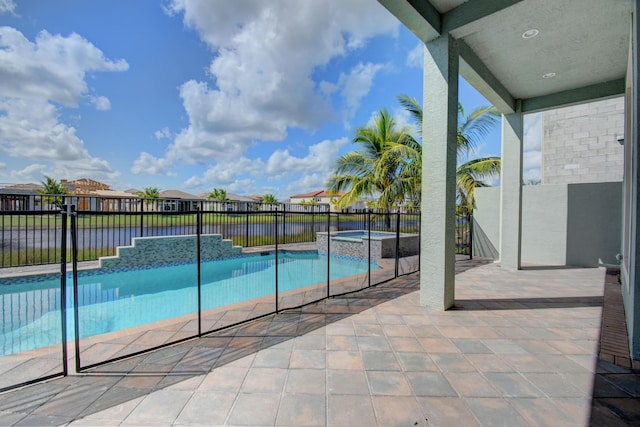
149,251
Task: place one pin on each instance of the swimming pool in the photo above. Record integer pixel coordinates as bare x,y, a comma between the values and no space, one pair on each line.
120,299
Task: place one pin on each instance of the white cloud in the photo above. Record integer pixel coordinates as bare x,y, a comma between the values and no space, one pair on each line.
306,183
30,129
328,88
148,164
321,158
265,54
33,75
415,57
52,68
227,174
32,173
356,85
7,6
101,103
241,173
163,133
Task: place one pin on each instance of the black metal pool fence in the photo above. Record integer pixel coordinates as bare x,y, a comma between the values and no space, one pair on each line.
67,236
31,229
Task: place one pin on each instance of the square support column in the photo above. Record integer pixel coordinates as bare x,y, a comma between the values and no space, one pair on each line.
630,267
439,155
511,190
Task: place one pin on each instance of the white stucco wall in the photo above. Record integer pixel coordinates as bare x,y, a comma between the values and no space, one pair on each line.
574,224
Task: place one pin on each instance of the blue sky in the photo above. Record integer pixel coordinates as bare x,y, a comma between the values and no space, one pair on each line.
251,96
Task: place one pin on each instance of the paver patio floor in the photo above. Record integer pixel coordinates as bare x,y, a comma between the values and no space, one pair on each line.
521,348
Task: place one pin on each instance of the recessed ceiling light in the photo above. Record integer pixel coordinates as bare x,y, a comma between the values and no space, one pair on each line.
529,34
548,75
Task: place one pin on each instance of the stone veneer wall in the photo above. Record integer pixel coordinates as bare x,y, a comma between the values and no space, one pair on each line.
354,249
380,248
147,251
579,143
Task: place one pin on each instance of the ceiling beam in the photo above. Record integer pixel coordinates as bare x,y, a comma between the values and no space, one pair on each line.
472,11
419,16
574,96
482,79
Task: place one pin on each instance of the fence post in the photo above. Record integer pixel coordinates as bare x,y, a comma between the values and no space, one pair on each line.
284,223
74,257
63,288
397,243
419,237
369,240
277,296
199,258
141,217
329,252
470,222
246,234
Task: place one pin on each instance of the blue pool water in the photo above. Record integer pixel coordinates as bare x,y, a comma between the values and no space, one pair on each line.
126,298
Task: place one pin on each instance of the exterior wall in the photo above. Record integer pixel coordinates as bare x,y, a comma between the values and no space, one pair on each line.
594,207
148,251
486,222
544,224
580,143
575,224
630,272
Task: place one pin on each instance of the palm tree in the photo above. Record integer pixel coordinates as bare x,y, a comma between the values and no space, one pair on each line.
218,194
52,191
269,198
149,194
385,167
471,130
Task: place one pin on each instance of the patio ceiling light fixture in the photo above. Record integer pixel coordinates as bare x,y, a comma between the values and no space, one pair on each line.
529,34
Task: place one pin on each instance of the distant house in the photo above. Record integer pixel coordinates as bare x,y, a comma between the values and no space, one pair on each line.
20,197
178,201
324,198
83,186
97,196
234,203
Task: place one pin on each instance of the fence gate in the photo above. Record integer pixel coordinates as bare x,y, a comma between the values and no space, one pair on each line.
34,315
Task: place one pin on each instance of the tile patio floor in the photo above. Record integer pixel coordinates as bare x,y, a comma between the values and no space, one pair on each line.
520,349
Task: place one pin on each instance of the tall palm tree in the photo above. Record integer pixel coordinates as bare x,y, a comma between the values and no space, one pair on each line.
384,168
472,129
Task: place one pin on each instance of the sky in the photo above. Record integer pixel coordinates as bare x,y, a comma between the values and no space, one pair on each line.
250,96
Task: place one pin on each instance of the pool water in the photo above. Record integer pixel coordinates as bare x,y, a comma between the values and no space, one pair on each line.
123,299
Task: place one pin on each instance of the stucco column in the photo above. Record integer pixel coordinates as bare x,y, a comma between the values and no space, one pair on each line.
511,190
439,149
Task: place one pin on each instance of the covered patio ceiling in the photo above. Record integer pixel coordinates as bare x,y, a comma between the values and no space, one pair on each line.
545,53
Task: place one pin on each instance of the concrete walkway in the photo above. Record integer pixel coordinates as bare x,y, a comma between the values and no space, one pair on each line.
520,349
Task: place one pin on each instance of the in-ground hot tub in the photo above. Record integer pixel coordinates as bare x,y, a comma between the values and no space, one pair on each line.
355,243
